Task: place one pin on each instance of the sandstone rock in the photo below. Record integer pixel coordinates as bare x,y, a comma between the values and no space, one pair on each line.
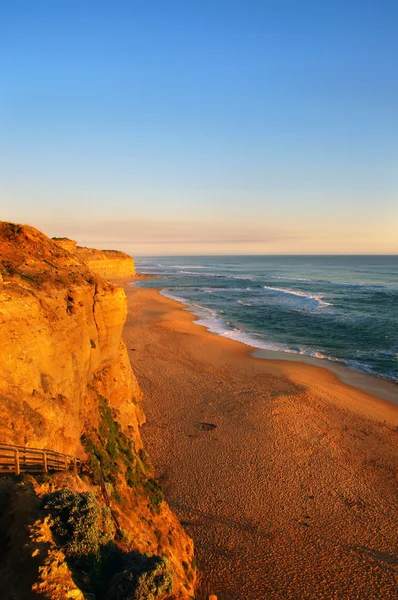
110,264
65,243
61,328
61,349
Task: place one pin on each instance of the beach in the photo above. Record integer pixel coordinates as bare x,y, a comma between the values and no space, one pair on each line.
284,476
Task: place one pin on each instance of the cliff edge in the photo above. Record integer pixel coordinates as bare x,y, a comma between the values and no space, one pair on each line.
111,264
67,385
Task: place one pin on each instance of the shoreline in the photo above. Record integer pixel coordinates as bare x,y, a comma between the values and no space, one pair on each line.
284,476
379,387
376,386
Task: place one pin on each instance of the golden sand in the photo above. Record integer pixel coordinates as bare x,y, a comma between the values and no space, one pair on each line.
285,477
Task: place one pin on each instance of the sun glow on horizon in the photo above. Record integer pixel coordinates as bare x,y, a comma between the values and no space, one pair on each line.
196,129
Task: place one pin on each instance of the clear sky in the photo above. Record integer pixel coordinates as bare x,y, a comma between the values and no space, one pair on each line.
202,126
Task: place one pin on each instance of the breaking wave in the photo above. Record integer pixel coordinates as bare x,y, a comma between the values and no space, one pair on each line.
318,298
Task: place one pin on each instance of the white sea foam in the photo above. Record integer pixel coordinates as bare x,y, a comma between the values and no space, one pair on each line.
217,325
189,267
202,275
330,282
313,297
187,273
171,296
244,277
210,290
210,319
214,323
292,278
151,272
315,354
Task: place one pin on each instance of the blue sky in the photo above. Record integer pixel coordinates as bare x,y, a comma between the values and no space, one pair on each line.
202,127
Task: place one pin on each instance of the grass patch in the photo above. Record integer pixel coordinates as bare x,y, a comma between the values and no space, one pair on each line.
112,457
110,450
154,491
112,453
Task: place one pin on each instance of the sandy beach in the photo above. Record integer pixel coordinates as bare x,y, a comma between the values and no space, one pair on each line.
284,476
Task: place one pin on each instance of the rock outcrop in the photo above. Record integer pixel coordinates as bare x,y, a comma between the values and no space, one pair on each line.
66,384
111,264
66,243
61,331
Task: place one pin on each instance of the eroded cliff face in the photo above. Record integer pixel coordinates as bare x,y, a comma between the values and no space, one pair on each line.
111,264
60,325
66,379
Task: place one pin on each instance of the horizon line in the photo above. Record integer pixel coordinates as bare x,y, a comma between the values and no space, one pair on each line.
267,254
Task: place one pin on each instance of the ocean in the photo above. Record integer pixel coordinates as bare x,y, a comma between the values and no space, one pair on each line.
340,308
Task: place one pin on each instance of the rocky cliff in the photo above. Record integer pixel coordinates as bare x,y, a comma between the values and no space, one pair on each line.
66,384
110,264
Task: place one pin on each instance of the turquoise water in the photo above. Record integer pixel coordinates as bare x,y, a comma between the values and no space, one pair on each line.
343,308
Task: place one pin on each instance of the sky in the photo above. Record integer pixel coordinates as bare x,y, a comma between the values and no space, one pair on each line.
202,127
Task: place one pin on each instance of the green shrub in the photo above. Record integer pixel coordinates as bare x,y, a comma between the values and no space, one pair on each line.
109,448
154,491
147,578
131,476
98,461
111,453
81,523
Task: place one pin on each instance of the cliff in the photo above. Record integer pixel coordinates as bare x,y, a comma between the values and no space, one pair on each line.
66,384
111,264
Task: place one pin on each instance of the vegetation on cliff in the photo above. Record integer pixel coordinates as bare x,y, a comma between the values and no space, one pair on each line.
66,384
57,530
112,457
85,531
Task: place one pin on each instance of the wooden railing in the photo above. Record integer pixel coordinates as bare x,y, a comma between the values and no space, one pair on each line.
19,459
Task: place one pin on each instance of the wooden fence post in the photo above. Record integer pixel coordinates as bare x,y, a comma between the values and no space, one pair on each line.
32,460
17,470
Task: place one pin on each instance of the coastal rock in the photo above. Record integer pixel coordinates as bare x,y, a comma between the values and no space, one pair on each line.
111,264
61,326
65,376
66,243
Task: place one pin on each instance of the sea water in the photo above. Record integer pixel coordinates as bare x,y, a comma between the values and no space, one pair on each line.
341,308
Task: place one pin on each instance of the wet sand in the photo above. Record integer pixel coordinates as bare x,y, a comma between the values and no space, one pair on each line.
284,476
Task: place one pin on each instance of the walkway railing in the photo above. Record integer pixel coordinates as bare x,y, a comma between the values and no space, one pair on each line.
19,459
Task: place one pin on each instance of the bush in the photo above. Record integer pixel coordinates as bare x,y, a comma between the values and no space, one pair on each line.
147,578
109,448
99,461
154,492
82,524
